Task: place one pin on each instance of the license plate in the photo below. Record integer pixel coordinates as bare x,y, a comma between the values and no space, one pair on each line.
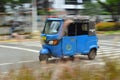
43,38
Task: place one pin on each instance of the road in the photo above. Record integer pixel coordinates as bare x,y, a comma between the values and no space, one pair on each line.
13,55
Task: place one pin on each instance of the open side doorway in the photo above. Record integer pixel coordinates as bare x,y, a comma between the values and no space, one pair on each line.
69,40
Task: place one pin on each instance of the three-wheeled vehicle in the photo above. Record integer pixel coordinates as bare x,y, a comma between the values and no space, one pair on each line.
68,37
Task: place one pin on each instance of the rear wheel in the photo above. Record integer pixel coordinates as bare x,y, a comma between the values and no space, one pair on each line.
43,57
92,54
71,58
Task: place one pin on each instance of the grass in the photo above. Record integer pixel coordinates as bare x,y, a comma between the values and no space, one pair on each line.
68,71
112,32
108,32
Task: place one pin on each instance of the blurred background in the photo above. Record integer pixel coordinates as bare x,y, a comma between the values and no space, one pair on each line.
24,19
31,14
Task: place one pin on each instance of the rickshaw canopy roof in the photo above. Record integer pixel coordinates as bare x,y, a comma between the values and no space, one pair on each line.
73,17
54,19
79,18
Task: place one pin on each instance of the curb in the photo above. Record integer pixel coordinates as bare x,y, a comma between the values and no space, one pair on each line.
8,39
15,40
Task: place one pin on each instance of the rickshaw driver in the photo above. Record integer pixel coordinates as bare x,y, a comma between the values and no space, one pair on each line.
64,29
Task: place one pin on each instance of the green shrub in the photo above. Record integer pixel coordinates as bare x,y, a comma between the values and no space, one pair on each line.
44,12
108,26
41,12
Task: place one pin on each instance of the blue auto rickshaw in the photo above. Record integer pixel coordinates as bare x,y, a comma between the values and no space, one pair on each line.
68,36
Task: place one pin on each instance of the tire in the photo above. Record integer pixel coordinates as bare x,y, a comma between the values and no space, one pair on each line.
71,58
43,57
92,54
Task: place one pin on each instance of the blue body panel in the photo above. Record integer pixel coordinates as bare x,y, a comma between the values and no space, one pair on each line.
92,43
81,43
85,43
44,51
56,50
69,45
78,44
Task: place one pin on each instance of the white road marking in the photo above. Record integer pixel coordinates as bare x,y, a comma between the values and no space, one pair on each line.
5,64
20,62
108,55
19,48
105,50
32,45
111,45
95,63
28,44
26,61
107,41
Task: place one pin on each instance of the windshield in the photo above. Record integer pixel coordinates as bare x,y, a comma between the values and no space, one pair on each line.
51,27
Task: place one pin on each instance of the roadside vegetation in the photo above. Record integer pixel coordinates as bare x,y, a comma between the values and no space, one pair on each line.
108,26
68,71
112,32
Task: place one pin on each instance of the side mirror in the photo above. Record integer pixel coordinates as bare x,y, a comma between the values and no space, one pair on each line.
41,31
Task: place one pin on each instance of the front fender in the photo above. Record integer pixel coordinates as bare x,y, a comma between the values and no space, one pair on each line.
94,46
44,51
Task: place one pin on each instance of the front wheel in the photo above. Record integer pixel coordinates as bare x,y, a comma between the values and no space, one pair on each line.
92,54
43,57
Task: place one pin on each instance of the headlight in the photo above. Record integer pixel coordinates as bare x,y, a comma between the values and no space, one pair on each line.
53,42
50,42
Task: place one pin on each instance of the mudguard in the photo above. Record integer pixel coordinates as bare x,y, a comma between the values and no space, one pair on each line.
44,51
94,46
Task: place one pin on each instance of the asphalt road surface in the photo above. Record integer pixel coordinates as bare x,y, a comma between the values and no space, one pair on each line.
16,54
